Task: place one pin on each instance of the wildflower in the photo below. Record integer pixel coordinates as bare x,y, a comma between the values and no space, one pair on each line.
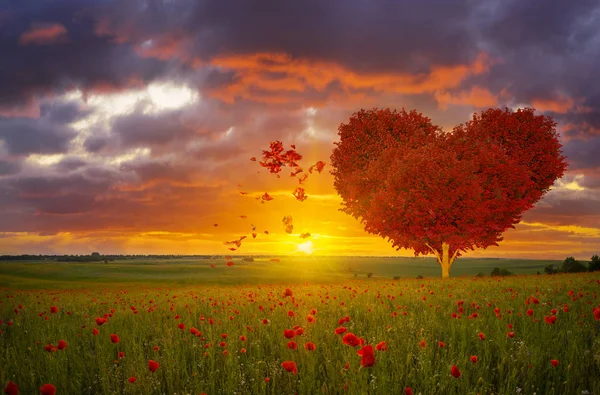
153,366
48,389
455,372
368,356
290,366
114,338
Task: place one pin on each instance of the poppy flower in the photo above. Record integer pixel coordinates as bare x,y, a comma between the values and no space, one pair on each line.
114,338
153,366
473,358
368,356
194,331
310,318
455,372
132,379
181,326
529,312
340,330
53,309
292,345
243,338
229,263
481,335
350,339
289,333
408,391
61,345
550,320
100,321
11,388
554,362
381,346
510,334
48,389
597,313
95,332
290,366
156,348
223,344
310,346
121,354
423,343
299,331
441,344
50,348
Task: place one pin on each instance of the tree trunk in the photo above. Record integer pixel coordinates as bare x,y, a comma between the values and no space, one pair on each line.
445,262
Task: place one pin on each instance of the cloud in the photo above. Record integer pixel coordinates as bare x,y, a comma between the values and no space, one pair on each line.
22,136
44,34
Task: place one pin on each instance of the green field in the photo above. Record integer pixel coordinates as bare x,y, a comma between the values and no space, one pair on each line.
51,274
242,314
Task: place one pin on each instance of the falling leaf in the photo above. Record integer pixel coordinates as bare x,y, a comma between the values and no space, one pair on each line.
211,265
293,146
229,263
266,232
295,172
216,225
243,193
266,197
254,235
302,178
253,159
232,249
243,216
275,260
299,194
304,235
319,165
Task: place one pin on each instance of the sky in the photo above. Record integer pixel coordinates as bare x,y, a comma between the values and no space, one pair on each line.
126,126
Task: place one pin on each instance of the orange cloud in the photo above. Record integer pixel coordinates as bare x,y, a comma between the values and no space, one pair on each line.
277,77
477,97
43,34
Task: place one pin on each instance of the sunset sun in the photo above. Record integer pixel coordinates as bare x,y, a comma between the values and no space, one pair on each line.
306,247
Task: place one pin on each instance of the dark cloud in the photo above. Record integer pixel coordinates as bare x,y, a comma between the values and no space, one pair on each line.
86,60
24,136
70,164
583,153
9,167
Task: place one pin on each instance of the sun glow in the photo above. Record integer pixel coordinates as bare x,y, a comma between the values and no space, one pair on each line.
307,247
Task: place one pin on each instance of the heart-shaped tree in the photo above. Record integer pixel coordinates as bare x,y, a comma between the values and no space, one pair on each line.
442,192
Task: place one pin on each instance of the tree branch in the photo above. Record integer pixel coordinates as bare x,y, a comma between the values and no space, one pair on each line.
453,257
437,254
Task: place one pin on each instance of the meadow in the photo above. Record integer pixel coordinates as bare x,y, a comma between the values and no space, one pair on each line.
184,327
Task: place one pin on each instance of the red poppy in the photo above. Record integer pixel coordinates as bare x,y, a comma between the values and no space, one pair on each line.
529,312
351,339
381,346
473,358
340,330
181,326
408,391
455,372
11,388
53,309
292,345
368,356
48,389
290,366
267,379
243,338
310,346
153,366
299,331
114,338
62,345
100,321
289,333
441,344
510,334
50,348
291,314
132,379
481,335
310,318
121,354
156,348
229,263
550,320
195,331
223,344
95,332
554,362
423,343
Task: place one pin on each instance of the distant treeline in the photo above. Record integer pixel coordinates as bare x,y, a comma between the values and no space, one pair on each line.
97,257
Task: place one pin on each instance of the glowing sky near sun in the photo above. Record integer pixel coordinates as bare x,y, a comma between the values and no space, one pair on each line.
126,127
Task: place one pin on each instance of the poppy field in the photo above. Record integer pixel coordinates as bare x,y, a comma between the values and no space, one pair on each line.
466,335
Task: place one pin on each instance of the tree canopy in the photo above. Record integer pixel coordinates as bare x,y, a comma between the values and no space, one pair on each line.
441,192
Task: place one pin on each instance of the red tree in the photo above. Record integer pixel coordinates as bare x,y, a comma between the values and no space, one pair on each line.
444,192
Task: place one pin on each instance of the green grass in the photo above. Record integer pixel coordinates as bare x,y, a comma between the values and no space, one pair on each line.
401,313
44,274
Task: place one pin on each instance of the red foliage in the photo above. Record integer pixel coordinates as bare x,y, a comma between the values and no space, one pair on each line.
410,182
